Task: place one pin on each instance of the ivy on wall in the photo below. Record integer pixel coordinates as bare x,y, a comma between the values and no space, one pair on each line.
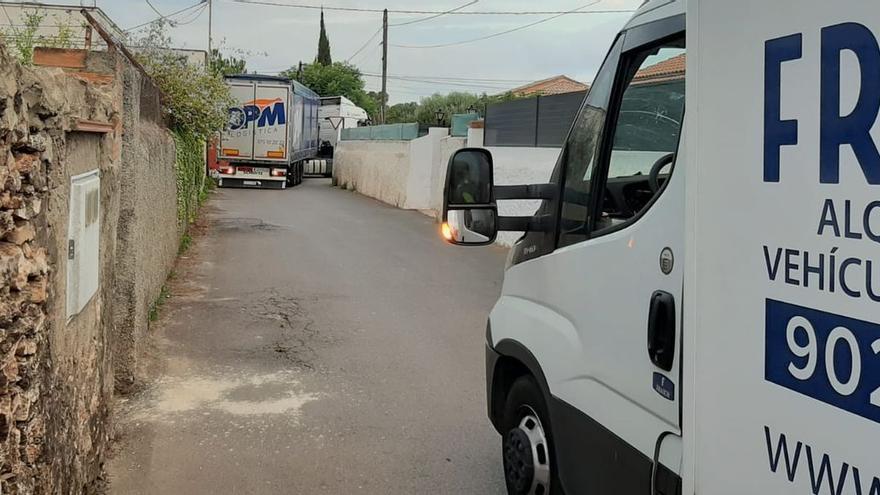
191,179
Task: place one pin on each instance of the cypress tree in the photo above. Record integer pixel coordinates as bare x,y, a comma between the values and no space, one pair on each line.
323,45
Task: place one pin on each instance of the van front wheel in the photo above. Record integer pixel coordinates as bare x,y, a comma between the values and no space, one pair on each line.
528,468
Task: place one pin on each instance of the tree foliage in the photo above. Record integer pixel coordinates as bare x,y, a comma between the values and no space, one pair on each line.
402,113
226,66
336,79
196,101
425,111
323,57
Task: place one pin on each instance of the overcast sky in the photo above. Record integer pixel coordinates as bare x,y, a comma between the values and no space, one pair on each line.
274,38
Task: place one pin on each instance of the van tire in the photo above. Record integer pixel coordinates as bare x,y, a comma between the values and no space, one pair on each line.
524,402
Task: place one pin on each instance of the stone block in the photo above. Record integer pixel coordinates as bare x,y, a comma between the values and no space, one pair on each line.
27,347
29,209
25,163
10,201
37,291
7,223
21,233
10,368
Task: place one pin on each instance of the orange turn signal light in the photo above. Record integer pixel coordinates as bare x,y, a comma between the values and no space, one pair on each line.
446,230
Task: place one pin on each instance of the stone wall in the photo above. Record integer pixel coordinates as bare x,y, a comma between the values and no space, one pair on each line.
58,374
148,230
56,381
148,233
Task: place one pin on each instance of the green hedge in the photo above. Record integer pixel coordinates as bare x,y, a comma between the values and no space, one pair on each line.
191,180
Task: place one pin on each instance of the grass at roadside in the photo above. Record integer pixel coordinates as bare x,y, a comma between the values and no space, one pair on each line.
164,294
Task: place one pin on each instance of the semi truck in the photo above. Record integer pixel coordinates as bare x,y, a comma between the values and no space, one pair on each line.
335,114
272,131
693,309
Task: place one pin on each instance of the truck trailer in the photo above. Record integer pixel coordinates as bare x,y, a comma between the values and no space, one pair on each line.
272,130
693,309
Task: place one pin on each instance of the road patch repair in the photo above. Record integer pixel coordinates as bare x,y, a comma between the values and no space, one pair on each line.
254,395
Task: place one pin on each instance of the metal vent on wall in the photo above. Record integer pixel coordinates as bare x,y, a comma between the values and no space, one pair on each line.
83,238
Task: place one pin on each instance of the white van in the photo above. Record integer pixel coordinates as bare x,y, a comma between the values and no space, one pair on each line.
694,307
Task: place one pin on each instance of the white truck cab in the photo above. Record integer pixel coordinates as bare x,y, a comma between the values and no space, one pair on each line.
693,307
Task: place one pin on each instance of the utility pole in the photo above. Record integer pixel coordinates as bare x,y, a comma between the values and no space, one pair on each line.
210,25
384,66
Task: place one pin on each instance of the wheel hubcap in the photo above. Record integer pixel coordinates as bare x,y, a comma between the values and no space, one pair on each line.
527,457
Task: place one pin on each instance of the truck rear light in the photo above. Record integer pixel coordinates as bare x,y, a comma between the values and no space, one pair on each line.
230,152
279,172
275,154
227,170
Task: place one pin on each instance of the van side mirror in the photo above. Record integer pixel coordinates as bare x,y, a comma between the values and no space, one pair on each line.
469,210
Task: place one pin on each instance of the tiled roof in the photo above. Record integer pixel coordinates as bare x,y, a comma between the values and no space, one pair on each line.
672,68
550,86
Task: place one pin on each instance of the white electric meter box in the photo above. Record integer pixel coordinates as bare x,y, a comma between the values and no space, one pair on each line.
783,256
83,238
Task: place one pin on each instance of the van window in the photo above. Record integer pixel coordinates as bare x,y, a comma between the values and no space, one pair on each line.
580,152
646,132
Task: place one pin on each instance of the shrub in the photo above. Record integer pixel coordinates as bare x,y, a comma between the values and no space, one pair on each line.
196,100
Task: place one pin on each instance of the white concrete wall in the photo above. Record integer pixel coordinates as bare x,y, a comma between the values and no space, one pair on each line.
401,173
412,174
379,169
521,165
425,157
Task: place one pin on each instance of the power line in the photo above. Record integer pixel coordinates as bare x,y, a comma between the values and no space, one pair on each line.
198,15
430,12
164,17
364,45
494,35
446,78
435,15
446,83
161,15
477,83
376,51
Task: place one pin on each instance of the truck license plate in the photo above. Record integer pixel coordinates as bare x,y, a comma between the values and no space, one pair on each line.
251,183
253,172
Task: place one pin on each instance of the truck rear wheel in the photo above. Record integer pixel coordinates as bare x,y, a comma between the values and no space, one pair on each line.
526,444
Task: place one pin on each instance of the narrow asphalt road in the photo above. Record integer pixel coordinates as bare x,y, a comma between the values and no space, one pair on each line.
316,341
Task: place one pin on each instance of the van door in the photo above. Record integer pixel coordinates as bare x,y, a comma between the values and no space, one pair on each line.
237,139
607,331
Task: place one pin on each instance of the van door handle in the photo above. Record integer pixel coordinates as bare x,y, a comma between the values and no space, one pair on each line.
661,330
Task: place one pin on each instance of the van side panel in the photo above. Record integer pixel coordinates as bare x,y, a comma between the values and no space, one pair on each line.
592,456
783,187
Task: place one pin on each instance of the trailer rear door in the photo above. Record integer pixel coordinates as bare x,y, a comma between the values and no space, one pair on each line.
783,262
237,140
272,104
